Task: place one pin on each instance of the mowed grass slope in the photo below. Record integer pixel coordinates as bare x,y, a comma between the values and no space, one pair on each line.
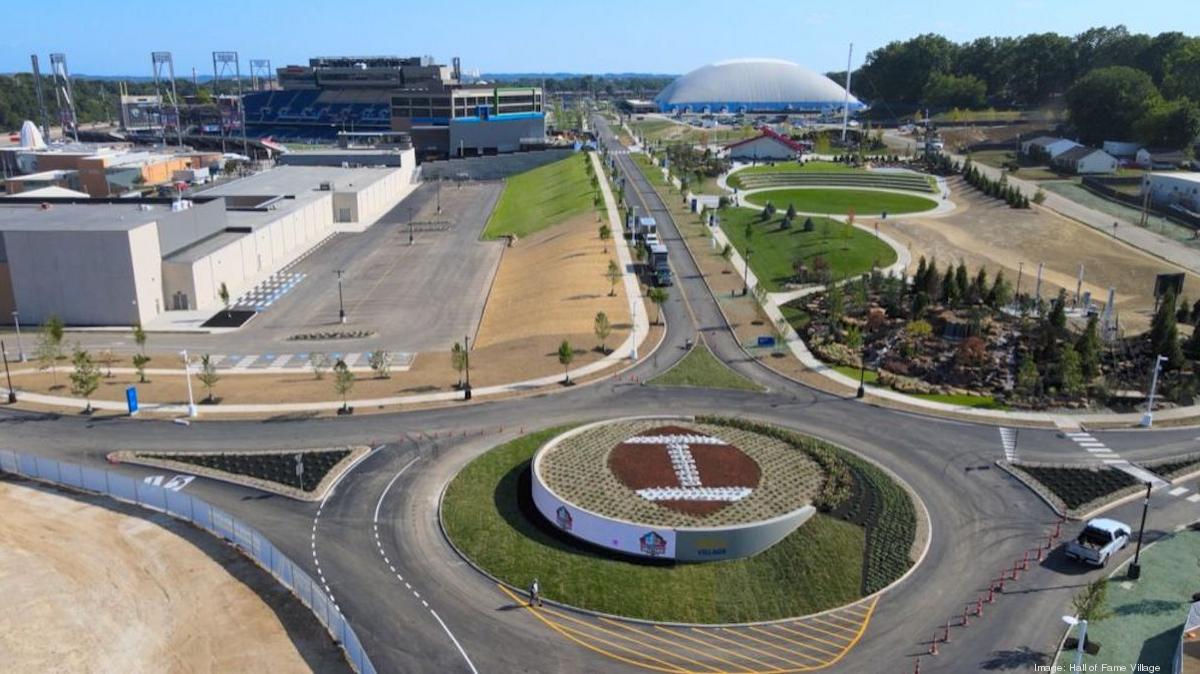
701,369
840,201
534,200
817,567
847,250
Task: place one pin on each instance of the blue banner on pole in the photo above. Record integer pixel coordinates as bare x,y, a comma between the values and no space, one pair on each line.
766,340
131,400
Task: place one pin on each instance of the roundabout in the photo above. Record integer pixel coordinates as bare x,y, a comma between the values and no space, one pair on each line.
684,520
841,200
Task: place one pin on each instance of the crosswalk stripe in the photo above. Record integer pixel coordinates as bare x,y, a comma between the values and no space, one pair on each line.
1194,498
1178,491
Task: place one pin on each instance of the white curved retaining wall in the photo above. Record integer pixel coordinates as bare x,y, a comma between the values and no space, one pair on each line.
686,544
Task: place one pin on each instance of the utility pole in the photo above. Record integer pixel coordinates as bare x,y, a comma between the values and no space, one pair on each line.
187,376
1148,417
17,323
467,367
846,98
1135,568
12,394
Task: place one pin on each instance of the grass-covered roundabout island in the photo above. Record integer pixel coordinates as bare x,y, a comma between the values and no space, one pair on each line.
840,200
862,537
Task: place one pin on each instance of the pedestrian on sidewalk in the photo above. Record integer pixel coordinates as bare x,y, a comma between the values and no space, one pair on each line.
535,593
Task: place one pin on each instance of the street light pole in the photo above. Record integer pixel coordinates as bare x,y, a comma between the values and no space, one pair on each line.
746,270
1079,645
1135,567
17,322
187,376
12,394
341,304
1148,417
467,367
862,372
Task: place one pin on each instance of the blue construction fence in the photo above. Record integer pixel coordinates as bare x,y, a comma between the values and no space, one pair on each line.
219,523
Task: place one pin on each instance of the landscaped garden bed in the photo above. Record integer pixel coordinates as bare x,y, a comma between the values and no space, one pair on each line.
1174,467
959,336
274,471
1075,490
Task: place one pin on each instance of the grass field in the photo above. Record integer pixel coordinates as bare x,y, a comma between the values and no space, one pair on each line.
700,368
840,201
981,402
817,567
848,251
545,196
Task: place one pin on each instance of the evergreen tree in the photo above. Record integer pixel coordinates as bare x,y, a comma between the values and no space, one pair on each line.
1000,293
1191,347
932,281
979,286
919,276
1070,372
950,294
1027,377
1088,347
1184,311
962,280
1164,333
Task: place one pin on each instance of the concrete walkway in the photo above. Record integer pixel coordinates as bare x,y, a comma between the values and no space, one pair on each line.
627,351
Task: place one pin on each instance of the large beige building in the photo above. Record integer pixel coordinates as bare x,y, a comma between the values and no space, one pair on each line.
124,263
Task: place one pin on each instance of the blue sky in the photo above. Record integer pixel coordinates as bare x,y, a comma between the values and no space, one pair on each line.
529,36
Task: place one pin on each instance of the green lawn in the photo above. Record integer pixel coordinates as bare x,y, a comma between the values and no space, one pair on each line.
534,200
700,368
847,250
840,201
1148,614
966,400
870,376
819,566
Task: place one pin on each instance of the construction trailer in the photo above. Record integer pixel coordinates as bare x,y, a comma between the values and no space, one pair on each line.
660,270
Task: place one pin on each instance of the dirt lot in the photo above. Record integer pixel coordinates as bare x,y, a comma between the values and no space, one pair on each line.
985,231
90,585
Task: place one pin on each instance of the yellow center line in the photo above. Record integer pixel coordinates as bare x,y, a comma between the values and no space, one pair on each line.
792,628
777,635
666,641
773,670
768,654
566,633
785,649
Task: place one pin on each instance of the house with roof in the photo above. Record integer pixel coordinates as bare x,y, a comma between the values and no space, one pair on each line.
1084,160
1160,158
769,145
1046,147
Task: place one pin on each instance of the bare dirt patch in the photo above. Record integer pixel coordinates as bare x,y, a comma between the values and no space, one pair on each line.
92,585
985,232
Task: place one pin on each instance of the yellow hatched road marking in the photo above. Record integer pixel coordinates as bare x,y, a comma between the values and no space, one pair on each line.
805,644
706,644
785,649
566,633
658,638
598,628
767,654
861,630
792,628
849,628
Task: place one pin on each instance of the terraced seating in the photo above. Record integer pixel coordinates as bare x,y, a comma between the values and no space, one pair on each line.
895,181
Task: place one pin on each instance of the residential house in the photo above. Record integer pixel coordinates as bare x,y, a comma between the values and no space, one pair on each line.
1085,160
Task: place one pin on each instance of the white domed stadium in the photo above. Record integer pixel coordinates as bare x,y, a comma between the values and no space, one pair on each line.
758,84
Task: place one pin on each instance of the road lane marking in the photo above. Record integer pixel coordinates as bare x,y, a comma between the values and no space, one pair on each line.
1194,498
768,644
708,645
623,626
794,628
765,654
1177,491
802,644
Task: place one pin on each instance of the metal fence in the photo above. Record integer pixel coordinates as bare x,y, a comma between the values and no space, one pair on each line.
212,519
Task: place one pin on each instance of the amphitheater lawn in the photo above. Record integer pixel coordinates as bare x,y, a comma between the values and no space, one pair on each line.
840,201
847,250
817,567
541,197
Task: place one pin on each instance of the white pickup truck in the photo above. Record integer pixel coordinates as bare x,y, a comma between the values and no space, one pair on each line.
1098,541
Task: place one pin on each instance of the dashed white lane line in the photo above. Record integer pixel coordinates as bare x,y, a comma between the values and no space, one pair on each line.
1177,491
407,585
317,519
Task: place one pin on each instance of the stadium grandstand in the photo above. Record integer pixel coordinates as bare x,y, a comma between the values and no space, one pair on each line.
388,93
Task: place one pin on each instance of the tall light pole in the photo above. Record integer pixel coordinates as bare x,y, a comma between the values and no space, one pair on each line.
1148,417
341,303
1135,567
1072,620
17,322
12,394
746,271
862,372
467,367
187,376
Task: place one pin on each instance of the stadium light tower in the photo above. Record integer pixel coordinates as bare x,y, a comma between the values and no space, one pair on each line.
261,77
41,99
226,64
161,60
62,92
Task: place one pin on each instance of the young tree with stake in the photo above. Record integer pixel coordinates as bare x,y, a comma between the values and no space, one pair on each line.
86,377
343,381
566,355
208,377
603,329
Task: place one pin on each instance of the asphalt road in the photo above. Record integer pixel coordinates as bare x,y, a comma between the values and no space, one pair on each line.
419,608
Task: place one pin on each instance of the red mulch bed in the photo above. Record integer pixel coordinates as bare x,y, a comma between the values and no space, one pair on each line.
644,466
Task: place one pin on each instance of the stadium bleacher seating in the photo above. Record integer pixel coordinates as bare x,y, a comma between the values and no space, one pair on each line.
310,115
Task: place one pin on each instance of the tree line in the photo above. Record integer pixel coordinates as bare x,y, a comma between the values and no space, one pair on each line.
1019,71
95,99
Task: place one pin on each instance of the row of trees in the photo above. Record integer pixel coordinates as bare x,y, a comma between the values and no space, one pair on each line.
1123,103
1025,70
996,189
